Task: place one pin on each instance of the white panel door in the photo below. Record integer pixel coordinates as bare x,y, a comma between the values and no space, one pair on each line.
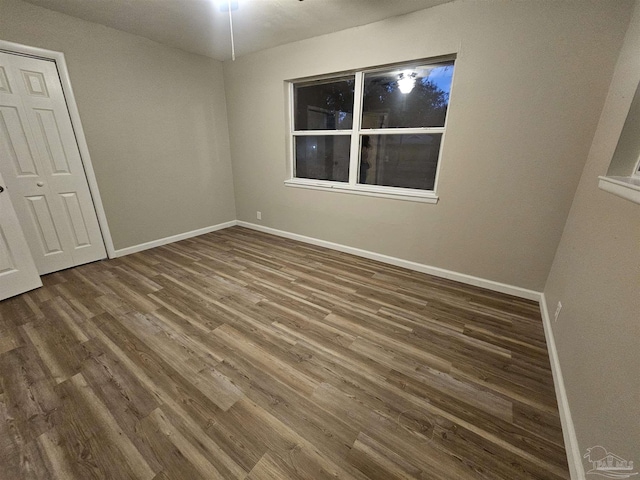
17,271
40,161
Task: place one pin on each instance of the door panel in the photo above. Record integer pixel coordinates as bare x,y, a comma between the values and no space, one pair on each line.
35,84
28,186
41,217
4,82
18,273
15,146
6,261
74,214
47,182
51,144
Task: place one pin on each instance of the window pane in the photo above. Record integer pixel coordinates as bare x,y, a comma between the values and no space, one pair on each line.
323,157
424,105
408,161
324,106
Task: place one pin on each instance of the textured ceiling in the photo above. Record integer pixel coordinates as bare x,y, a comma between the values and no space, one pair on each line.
199,26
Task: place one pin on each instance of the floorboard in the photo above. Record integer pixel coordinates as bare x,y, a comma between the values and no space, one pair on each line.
241,355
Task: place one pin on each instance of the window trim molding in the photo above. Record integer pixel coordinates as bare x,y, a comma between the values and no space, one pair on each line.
352,186
397,193
625,187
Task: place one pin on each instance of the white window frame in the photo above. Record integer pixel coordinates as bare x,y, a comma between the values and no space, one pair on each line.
352,186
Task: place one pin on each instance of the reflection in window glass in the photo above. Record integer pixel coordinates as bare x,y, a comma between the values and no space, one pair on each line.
408,161
323,157
324,106
423,105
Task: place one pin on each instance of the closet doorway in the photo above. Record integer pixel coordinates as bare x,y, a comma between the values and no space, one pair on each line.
44,172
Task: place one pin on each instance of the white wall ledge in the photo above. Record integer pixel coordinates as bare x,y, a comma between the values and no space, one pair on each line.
625,187
368,190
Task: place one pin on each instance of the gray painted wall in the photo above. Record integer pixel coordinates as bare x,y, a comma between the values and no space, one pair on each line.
596,275
154,119
530,82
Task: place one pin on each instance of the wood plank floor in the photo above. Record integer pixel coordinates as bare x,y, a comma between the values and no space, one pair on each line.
240,355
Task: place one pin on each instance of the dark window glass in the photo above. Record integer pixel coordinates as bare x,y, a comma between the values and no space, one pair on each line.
323,157
408,161
423,105
324,106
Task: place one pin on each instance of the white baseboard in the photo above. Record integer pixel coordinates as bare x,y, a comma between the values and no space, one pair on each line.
574,457
419,267
174,238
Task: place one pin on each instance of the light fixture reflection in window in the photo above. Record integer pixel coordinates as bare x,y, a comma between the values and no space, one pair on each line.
406,81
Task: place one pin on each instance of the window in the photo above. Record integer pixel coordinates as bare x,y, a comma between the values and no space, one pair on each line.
376,132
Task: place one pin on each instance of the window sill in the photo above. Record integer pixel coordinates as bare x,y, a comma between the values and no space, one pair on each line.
368,190
625,187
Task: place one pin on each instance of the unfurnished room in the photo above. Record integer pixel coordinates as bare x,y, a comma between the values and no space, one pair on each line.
319,239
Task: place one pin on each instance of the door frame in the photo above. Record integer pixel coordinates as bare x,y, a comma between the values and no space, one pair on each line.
72,107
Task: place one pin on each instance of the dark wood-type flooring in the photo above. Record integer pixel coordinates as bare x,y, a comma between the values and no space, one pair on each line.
238,355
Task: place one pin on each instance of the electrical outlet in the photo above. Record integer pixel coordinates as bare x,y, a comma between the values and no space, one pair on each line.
558,308
259,215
